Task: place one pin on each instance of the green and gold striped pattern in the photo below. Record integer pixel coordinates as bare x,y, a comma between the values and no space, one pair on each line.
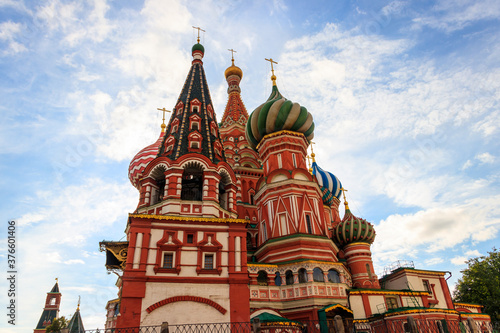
278,114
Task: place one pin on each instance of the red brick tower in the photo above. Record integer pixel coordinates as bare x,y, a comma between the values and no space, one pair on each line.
243,159
50,310
186,250
292,222
355,236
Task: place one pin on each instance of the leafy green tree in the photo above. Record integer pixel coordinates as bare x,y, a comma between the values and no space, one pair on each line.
57,325
480,284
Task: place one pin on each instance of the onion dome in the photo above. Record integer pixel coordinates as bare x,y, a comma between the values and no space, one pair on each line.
198,47
198,51
329,184
278,114
142,159
233,70
353,229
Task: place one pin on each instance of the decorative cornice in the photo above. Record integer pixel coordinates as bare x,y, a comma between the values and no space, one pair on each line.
387,292
272,135
183,218
420,310
470,305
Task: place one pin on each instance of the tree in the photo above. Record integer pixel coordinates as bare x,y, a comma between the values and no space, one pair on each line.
57,325
480,284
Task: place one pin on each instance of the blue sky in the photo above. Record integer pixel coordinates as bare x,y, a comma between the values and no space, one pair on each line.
405,97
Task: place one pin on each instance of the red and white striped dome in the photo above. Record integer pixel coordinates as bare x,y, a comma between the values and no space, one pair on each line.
142,159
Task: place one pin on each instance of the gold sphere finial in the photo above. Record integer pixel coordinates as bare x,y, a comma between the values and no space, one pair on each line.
346,204
163,126
273,77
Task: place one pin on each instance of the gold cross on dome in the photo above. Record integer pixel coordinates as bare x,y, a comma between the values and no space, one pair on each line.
273,77
343,193
272,62
199,29
232,54
163,126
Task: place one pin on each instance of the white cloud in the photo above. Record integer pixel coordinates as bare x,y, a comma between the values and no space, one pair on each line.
451,16
434,261
74,261
472,253
9,31
458,261
485,158
436,229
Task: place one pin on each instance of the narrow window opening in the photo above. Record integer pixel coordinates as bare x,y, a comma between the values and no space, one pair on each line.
168,260
294,161
277,279
209,261
368,270
195,109
289,277
308,224
302,275
194,126
190,238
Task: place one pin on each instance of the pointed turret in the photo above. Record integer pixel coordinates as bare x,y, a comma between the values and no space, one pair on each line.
50,310
193,127
355,235
75,325
244,160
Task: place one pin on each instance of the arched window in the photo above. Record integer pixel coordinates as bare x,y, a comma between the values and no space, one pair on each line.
302,275
318,275
249,242
158,189
368,271
52,301
289,277
262,278
116,310
333,276
223,190
192,184
277,279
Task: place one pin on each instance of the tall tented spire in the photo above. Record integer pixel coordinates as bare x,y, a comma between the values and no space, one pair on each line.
235,111
193,127
75,325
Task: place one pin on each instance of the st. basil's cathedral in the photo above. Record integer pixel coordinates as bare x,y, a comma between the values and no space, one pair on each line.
234,224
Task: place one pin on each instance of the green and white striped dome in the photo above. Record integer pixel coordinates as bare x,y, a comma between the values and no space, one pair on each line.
278,114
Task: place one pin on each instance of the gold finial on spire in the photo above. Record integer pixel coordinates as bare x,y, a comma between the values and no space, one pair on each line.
309,164
273,77
163,126
232,55
345,200
312,151
199,29
57,280
78,307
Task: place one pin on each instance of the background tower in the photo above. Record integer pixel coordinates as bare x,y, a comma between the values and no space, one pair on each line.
50,310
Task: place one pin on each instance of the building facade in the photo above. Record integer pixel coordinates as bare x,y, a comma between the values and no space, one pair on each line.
232,224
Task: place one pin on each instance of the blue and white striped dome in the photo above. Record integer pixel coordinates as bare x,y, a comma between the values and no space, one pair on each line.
328,183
